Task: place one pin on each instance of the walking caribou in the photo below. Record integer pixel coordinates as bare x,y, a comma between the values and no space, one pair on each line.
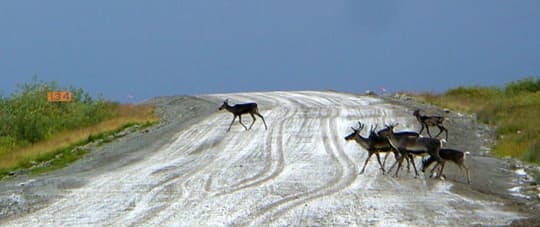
456,156
375,144
428,121
411,145
244,108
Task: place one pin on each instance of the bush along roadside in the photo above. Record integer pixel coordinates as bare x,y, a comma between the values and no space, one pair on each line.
36,133
27,116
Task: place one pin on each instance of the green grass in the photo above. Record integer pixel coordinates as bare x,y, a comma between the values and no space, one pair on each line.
34,131
514,110
60,157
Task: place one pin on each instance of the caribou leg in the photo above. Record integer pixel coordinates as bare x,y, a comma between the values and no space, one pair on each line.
437,157
367,160
252,122
258,114
433,169
421,129
379,160
365,163
397,158
411,157
384,161
402,156
427,129
467,172
234,118
240,120
441,129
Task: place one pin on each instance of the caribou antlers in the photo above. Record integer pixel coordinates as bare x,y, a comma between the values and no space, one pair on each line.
374,144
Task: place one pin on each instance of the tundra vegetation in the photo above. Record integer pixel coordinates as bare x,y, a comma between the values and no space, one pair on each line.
33,130
514,110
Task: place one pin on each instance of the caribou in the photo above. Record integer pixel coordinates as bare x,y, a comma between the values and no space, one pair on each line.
412,145
374,144
239,109
456,156
429,121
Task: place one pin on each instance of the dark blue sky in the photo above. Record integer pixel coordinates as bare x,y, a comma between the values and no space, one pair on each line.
146,48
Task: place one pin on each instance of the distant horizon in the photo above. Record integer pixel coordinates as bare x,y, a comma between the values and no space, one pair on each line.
378,91
134,50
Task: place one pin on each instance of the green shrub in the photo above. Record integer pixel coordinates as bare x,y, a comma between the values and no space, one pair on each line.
7,143
529,84
28,117
474,92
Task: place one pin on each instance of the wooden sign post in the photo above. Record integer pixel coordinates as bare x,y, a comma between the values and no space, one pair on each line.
60,96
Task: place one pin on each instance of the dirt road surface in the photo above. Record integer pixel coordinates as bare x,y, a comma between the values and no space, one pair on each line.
190,171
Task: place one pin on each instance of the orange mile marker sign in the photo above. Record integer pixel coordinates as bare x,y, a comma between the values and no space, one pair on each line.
59,96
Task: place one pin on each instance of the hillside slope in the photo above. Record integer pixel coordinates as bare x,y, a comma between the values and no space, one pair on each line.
189,170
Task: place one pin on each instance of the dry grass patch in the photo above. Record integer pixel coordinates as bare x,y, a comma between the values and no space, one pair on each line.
123,115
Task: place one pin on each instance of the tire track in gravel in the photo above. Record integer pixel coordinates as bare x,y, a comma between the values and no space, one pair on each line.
205,162
275,158
209,179
278,163
156,193
105,195
287,97
305,110
236,146
345,175
222,165
187,180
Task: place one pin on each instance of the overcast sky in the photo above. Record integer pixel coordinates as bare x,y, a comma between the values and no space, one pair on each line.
132,50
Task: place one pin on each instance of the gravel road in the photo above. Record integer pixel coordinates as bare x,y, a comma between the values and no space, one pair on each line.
189,171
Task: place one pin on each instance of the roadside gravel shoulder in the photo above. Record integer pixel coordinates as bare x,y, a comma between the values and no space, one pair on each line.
24,193
507,180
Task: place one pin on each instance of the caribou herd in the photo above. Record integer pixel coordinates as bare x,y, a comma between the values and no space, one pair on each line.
407,144
403,144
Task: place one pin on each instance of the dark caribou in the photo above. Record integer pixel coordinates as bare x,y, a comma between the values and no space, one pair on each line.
430,121
239,109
